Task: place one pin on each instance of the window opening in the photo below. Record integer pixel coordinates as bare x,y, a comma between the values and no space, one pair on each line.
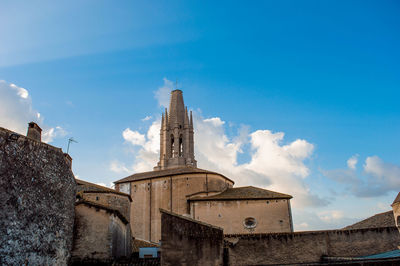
250,223
180,147
172,147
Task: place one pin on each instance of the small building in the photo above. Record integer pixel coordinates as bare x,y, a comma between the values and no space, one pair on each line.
102,231
244,210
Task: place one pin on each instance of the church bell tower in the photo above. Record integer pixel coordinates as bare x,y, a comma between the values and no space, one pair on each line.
176,135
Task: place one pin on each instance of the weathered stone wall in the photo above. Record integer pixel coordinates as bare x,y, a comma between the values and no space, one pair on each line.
308,247
189,242
272,216
91,238
100,234
37,194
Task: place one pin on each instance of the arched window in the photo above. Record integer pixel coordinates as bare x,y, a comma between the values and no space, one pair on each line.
180,146
398,221
172,146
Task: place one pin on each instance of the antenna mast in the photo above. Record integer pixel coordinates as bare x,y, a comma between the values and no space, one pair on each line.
69,142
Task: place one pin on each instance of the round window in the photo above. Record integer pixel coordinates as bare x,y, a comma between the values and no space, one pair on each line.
250,222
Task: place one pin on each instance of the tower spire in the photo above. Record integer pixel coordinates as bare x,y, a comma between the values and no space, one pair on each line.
176,135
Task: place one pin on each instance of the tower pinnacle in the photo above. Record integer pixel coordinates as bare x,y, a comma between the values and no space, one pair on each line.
176,135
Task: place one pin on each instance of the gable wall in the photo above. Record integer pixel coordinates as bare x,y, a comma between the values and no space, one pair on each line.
271,215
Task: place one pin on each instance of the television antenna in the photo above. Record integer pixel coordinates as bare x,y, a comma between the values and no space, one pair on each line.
69,142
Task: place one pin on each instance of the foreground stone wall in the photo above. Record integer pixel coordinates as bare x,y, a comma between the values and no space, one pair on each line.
37,194
308,247
189,242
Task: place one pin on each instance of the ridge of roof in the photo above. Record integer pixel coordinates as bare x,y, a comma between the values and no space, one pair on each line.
243,193
190,219
102,189
104,207
377,220
167,172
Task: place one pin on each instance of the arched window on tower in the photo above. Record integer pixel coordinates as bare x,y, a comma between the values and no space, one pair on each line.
180,146
172,146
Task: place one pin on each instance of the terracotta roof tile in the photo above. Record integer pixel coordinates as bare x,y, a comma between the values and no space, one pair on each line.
243,193
167,172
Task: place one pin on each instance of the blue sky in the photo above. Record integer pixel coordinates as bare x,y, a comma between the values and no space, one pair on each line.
325,72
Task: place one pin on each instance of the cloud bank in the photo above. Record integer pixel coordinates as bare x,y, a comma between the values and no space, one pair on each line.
376,178
16,111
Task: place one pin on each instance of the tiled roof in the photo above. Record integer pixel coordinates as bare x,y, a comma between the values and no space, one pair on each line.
243,193
166,172
94,188
397,199
384,219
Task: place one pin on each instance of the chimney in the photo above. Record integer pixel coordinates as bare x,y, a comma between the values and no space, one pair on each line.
68,159
34,131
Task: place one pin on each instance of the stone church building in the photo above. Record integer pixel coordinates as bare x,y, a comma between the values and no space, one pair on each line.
177,185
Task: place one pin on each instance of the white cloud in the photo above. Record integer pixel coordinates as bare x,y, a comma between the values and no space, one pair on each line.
51,133
133,137
321,220
118,167
147,118
302,226
163,93
331,215
147,155
17,111
383,177
352,162
110,185
377,179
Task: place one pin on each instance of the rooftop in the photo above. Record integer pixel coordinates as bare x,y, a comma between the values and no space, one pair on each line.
94,188
244,193
384,219
167,172
104,207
